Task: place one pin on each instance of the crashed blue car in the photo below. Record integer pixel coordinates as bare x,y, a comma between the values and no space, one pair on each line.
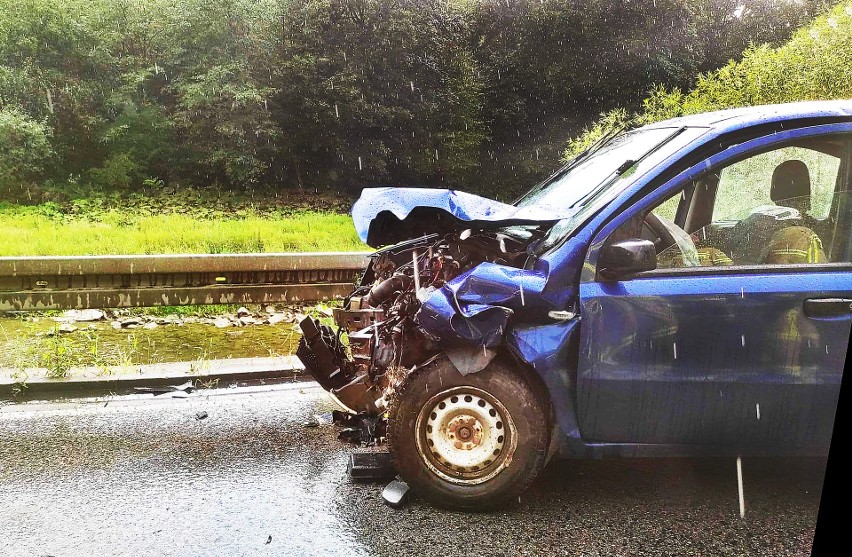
683,288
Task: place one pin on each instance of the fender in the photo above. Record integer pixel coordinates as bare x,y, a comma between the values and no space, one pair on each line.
551,351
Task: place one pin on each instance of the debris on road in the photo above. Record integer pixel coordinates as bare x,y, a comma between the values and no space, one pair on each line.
126,319
200,415
187,387
276,318
370,466
361,428
395,493
319,419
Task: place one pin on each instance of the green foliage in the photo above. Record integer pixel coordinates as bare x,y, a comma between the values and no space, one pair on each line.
814,64
97,229
24,147
339,94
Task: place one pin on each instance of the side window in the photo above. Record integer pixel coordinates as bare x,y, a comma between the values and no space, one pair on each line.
787,206
769,178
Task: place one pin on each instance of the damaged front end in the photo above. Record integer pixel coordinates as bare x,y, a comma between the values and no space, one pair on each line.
450,293
380,333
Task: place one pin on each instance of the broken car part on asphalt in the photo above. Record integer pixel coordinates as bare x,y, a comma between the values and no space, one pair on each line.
370,466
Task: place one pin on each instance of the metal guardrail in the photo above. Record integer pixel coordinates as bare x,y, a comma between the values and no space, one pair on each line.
115,281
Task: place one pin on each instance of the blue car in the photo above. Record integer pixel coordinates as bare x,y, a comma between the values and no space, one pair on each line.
684,288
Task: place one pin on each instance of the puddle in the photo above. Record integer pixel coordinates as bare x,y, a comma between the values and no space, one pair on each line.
96,344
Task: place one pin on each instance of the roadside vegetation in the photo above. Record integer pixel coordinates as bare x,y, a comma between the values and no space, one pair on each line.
54,345
188,222
813,65
337,94
30,231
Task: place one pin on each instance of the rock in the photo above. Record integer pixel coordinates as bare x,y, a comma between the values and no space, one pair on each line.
243,312
276,318
116,324
200,415
67,328
221,322
168,320
83,315
247,321
270,309
130,322
150,325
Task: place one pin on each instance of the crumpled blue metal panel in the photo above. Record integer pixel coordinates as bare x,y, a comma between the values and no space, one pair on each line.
476,324
388,215
475,307
546,348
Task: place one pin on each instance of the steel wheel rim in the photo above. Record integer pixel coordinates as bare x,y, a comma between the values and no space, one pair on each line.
465,435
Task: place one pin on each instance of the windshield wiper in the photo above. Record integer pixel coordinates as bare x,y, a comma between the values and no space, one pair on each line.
570,165
624,167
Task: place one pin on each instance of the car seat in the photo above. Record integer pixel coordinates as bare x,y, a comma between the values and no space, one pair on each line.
791,187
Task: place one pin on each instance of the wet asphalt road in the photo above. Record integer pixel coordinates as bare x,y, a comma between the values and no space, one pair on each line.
143,476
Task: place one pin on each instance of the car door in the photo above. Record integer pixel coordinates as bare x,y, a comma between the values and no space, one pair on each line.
737,351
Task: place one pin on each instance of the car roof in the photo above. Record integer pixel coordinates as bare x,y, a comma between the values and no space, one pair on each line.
733,119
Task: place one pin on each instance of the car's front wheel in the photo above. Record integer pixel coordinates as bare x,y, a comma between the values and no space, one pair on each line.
468,442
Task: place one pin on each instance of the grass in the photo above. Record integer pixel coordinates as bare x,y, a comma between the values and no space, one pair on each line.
53,220
28,230
58,353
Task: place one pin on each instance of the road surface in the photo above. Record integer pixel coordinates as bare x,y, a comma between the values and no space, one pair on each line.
142,475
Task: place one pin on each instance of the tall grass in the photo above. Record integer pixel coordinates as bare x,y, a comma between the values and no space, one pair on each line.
28,231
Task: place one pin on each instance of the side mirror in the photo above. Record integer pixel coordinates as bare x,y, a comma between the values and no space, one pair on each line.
624,259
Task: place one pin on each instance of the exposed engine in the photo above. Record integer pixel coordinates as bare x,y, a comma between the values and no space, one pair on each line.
378,342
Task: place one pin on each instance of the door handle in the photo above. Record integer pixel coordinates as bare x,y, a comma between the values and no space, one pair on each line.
828,307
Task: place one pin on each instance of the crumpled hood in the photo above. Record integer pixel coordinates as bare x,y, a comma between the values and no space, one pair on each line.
385,216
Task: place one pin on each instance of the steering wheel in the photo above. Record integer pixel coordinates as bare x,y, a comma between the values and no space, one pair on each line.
666,238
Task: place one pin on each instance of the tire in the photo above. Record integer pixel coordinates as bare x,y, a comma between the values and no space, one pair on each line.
482,448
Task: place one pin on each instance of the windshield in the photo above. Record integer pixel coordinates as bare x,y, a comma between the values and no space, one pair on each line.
580,178
600,178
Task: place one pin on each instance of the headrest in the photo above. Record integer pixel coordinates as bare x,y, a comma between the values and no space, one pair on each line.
791,179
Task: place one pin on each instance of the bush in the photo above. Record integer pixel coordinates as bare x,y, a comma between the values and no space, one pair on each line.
24,148
814,64
342,94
